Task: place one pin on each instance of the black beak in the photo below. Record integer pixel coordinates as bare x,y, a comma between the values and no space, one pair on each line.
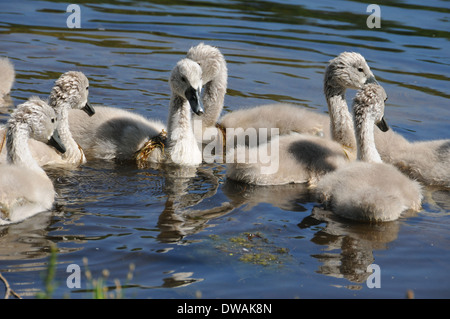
371,79
55,141
89,109
382,125
194,100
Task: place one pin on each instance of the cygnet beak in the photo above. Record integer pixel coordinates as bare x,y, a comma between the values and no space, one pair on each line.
56,142
382,125
88,109
195,101
371,79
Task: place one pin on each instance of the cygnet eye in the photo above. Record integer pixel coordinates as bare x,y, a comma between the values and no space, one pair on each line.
183,78
87,88
360,69
53,120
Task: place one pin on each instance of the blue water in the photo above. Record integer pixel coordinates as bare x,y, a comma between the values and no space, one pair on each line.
195,238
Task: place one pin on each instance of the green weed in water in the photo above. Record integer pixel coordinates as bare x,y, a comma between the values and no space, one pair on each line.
252,248
49,280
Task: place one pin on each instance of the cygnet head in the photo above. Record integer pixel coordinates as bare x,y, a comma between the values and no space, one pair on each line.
186,82
73,88
369,104
41,121
348,70
210,60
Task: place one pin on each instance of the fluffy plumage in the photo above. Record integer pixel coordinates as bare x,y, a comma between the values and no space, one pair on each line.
426,161
304,157
215,76
118,134
349,70
368,190
297,158
186,84
25,189
70,91
113,133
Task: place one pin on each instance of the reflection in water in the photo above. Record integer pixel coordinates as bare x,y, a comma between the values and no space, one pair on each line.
349,245
26,240
436,201
179,280
27,246
288,197
190,204
183,190
183,214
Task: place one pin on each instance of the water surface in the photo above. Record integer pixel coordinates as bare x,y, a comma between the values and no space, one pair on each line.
206,236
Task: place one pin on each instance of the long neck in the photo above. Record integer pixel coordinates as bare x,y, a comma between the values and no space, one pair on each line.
181,143
365,141
72,149
179,122
18,151
340,118
213,99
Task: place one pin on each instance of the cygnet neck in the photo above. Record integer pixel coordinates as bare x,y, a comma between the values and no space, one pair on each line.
179,123
213,98
341,123
182,148
18,151
365,140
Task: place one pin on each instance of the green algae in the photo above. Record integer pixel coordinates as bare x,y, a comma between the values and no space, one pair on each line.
252,248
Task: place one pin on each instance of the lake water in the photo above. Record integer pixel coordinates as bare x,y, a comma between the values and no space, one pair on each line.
206,237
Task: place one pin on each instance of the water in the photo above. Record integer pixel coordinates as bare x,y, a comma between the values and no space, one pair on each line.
205,236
